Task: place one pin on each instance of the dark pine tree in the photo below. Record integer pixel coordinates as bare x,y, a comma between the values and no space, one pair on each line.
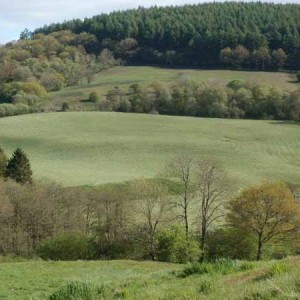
3,163
18,167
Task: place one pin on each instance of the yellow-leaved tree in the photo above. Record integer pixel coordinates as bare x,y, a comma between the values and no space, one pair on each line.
267,210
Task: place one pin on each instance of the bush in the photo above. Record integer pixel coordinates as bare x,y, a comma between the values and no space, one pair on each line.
65,106
7,110
298,76
78,291
174,247
52,82
34,88
230,243
66,247
22,109
24,98
236,84
94,97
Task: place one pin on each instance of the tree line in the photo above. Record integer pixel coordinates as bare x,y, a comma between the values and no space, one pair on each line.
238,99
196,35
191,211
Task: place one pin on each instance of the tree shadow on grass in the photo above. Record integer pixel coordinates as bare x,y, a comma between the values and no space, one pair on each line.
85,101
285,123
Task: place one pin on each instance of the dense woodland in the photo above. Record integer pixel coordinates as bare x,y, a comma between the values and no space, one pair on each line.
29,69
235,35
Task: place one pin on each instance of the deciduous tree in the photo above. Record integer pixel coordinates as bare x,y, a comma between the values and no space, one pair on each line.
182,173
267,210
213,193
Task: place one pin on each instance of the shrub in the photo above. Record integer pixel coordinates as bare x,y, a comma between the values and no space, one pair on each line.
65,106
236,84
7,110
78,291
52,82
66,247
174,247
34,88
9,90
230,243
94,97
28,99
22,109
298,76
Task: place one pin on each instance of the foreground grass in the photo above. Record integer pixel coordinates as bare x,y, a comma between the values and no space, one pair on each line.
133,280
125,76
116,147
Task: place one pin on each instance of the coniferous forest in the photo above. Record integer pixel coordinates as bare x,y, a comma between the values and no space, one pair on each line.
234,35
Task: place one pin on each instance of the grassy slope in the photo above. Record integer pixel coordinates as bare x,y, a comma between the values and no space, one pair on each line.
95,147
133,280
124,76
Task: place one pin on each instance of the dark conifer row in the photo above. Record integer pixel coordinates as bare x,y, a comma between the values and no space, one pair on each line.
195,34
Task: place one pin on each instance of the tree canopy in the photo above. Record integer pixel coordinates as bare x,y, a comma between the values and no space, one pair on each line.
262,35
267,211
18,167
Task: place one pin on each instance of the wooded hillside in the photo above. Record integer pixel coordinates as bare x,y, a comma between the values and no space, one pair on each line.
235,35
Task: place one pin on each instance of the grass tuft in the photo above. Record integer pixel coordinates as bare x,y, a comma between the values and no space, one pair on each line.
78,291
206,287
220,266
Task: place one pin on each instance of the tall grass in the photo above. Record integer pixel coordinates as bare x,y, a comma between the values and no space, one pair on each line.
78,291
220,266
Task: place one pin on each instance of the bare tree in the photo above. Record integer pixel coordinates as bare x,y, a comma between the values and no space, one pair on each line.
213,193
153,206
181,172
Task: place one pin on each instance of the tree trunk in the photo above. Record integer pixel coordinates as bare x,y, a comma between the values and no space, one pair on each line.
203,240
186,224
152,248
259,250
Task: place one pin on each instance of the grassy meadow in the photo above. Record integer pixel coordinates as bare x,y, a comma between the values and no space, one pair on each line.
37,280
92,148
125,76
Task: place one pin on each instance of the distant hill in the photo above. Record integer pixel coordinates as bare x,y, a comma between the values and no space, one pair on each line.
105,147
235,35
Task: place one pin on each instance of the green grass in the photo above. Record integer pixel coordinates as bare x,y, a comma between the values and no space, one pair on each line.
92,148
125,76
37,280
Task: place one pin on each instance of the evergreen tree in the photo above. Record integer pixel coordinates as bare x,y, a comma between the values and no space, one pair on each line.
18,167
196,34
3,163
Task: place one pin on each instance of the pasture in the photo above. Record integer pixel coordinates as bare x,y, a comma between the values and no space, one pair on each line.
123,77
93,148
37,280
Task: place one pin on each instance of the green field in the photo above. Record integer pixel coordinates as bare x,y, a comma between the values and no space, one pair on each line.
91,148
36,280
125,76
